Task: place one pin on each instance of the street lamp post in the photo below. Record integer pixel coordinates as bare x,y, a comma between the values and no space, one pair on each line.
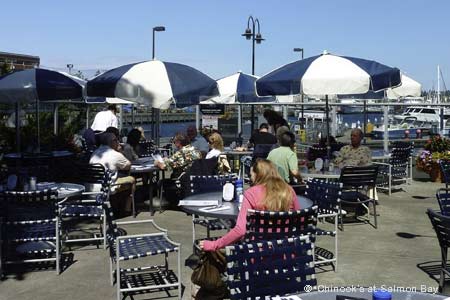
251,34
302,122
70,67
155,111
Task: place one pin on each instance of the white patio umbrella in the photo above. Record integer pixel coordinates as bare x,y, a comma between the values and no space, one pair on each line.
328,74
409,88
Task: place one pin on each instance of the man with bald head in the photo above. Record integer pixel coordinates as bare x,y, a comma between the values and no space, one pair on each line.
354,154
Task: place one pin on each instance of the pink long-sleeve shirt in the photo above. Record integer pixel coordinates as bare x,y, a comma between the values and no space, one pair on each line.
252,200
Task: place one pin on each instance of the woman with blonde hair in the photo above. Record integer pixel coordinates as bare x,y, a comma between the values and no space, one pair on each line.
269,192
215,142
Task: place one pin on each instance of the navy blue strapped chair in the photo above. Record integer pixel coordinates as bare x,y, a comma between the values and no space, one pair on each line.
146,148
87,207
264,269
31,227
441,225
443,198
357,182
139,279
397,171
327,196
445,168
204,184
270,225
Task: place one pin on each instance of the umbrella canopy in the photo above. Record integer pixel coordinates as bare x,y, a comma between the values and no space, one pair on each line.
37,85
154,83
238,87
100,100
328,74
409,88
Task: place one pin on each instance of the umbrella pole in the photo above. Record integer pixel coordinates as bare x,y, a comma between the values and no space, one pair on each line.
327,115
17,128
38,127
365,120
153,124
87,116
55,118
197,118
240,118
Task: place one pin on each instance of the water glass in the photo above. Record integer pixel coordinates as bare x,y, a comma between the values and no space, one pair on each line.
33,181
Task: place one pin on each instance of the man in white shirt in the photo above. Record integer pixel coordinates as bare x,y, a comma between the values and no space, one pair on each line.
105,119
109,156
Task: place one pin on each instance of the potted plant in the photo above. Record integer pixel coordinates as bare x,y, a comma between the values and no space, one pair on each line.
436,149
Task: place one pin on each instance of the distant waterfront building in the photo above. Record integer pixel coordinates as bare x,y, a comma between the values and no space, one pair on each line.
18,61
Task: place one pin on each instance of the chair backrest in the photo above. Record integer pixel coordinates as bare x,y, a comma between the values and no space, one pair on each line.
316,152
112,231
355,177
441,225
209,183
269,268
145,148
325,194
445,168
272,225
443,198
30,206
401,152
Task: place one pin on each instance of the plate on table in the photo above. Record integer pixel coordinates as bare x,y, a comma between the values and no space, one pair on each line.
45,185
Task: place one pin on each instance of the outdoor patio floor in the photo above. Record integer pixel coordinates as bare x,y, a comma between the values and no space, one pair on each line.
400,253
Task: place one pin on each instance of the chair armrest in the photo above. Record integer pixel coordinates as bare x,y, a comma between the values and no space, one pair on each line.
124,237
381,163
142,222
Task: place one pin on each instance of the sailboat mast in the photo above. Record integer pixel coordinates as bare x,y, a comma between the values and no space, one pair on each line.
438,86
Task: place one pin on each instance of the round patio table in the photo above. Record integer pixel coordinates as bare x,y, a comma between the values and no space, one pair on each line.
232,210
64,189
146,166
312,173
366,294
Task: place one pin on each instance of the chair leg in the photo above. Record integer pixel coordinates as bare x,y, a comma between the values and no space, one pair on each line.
375,213
179,274
104,230
336,243
443,267
58,249
111,274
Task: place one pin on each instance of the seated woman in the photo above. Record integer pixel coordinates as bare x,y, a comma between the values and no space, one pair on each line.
269,192
216,149
130,149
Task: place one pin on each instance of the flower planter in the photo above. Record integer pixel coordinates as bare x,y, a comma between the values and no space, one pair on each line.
436,173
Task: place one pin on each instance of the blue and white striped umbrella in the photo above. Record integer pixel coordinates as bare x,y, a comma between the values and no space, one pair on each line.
328,74
238,88
38,85
154,83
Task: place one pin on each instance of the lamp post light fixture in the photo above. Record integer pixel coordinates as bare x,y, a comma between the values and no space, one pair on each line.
302,122
256,37
70,67
155,112
157,28
299,50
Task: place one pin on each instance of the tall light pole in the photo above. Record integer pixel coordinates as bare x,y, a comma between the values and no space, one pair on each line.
251,34
302,123
155,111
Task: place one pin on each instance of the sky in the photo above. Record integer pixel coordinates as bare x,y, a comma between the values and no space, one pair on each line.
412,35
